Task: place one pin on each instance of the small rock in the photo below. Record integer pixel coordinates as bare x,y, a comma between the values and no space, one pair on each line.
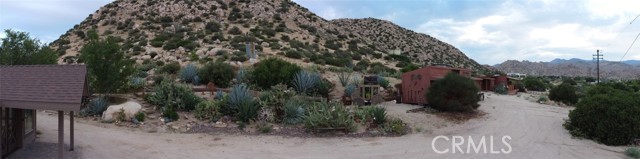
146,57
220,125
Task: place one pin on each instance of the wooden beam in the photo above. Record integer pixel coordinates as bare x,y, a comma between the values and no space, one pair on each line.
71,131
60,134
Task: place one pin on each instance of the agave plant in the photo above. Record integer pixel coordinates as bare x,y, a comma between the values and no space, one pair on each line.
378,114
96,106
349,89
240,99
242,76
293,112
137,82
344,78
305,81
188,73
383,82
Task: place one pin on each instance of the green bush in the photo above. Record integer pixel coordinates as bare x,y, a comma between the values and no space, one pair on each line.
304,81
171,68
323,88
453,93
273,71
293,54
170,114
633,152
140,116
534,84
208,110
501,89
219,73
188,73
565,93
325,115
174,96
383,82
264,127
606,115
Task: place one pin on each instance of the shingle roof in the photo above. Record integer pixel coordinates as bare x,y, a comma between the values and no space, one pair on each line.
52,87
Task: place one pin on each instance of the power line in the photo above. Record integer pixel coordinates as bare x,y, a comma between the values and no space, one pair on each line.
634,41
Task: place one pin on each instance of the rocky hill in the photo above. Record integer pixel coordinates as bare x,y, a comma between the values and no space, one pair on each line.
573,67
199,30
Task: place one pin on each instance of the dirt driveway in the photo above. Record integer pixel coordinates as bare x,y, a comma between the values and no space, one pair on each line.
535,131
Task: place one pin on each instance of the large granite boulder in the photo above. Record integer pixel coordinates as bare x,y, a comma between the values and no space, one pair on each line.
129,108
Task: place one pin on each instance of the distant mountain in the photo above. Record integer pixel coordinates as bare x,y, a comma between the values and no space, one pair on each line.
179,30
573,67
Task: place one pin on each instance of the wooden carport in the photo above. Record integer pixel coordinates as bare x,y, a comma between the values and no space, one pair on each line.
60,88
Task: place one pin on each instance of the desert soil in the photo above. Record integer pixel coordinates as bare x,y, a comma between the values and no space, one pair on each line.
536,132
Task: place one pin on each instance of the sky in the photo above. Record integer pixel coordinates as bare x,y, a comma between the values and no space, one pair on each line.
488,31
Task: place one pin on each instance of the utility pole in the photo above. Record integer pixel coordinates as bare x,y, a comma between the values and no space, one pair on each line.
598,57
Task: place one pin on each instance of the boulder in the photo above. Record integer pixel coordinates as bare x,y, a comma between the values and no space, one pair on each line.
130,109
146,57
264,44
213,51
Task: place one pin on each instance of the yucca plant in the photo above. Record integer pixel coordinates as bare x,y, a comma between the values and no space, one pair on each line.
377,114
294,112
305,81
241,101
188,73
345,78
242,76
219,95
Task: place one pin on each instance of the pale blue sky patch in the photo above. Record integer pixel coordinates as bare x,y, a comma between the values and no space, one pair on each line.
489,31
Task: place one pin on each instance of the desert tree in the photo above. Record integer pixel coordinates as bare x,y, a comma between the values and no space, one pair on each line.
108,68
18,48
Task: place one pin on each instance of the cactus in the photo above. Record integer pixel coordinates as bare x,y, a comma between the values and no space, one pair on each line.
305,81
188,73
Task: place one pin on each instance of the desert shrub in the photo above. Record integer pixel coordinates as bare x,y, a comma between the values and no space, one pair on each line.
188,73
137,83
304,82
147,66
383,82
543,99
453,93
208,110
633,152
272,71
395,126
219,73
565,93
534,84
294,112
501,89
293,54
241,100
173,96
323,88
158,78
609,116
170,114
171,68
96,106
520,86
140,116
328,115
264,127
235,31
276,99
344,78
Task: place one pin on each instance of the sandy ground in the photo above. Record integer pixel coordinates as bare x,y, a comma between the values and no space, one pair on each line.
536,132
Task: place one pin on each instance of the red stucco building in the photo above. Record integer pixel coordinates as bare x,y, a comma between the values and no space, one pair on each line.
415,84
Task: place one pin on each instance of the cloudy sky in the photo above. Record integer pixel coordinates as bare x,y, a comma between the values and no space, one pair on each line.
488,31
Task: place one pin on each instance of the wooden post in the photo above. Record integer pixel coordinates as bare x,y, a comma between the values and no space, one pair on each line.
60,134
71,131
